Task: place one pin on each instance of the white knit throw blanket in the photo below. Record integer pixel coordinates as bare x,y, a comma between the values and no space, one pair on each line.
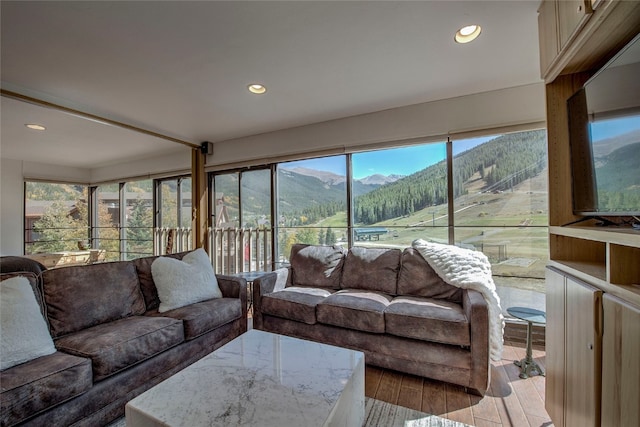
467,269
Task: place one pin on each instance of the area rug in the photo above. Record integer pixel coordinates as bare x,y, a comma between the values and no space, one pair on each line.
382,414
379,414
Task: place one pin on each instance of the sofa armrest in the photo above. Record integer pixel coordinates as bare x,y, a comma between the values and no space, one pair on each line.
270,282
477,311
233,287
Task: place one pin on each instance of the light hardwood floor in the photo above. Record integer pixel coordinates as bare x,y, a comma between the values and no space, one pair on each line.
510,401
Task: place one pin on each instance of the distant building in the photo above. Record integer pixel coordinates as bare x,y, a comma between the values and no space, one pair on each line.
369,233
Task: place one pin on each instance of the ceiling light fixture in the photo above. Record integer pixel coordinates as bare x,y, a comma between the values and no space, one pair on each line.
35,126
467,34
256,88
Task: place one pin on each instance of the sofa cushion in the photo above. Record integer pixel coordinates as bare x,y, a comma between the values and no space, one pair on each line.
24,335
354,309
374,269
115,346
295,303
83,296
202,317
417,278
35,282
184,282
41,383
316,266
428,319
147,285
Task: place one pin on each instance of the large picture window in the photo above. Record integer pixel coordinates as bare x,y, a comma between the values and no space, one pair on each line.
312,203
241,232
56,217
489,194
138,221
173,216
106,228
400,195
500,204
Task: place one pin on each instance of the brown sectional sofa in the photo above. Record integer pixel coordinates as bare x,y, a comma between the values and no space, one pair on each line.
388,303
111,342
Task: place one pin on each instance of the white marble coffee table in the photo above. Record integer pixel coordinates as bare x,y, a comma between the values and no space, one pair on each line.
259,379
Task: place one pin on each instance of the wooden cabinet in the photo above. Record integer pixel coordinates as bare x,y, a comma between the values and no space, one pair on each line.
587,262
573,351
547,34
558,22
620,363
572,15
555,346
581,35
583,338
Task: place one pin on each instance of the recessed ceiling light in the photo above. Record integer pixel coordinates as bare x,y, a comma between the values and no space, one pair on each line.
35,126
257,88
467,34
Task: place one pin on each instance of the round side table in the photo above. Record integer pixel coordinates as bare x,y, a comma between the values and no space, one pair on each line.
249,276
531,316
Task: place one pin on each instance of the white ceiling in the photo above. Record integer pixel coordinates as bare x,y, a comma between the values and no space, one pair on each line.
181,68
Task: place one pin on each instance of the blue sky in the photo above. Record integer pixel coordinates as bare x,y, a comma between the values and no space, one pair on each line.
398,161
614,127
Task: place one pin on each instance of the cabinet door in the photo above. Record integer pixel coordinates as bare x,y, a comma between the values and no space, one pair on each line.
554,357
583,353
547,34
572,15
620,363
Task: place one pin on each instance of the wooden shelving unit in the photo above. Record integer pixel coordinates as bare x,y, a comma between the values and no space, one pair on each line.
608,258
574,43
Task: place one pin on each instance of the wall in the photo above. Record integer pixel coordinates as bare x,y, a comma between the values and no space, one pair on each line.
11,207
505,107
176,163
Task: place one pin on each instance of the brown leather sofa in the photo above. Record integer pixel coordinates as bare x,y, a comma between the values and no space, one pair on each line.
387,303
111,342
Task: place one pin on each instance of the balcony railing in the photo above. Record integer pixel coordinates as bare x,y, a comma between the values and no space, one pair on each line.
172,240
232,250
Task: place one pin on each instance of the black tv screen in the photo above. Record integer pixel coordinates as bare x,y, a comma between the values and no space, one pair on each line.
604,137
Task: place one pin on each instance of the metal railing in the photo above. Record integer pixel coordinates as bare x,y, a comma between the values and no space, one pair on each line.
232,250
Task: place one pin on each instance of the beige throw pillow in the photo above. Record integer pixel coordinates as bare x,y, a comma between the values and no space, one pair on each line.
24,334
185,282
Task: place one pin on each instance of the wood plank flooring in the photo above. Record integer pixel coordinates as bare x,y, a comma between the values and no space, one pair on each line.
510,401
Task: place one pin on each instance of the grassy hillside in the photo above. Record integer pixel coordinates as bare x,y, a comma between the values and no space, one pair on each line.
618,177
501,164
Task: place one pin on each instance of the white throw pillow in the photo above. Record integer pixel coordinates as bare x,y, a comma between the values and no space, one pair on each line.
185,282
24,334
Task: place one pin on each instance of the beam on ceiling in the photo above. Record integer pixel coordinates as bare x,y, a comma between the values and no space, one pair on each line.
93,117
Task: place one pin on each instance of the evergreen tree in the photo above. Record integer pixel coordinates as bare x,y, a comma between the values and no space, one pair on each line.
321,237
57,230
140,229
330,237
308,236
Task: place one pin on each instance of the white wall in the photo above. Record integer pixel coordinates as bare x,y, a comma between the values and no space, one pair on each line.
505,107
47,172
11,207
176,163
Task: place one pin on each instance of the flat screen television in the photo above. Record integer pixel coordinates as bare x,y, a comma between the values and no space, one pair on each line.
604,137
